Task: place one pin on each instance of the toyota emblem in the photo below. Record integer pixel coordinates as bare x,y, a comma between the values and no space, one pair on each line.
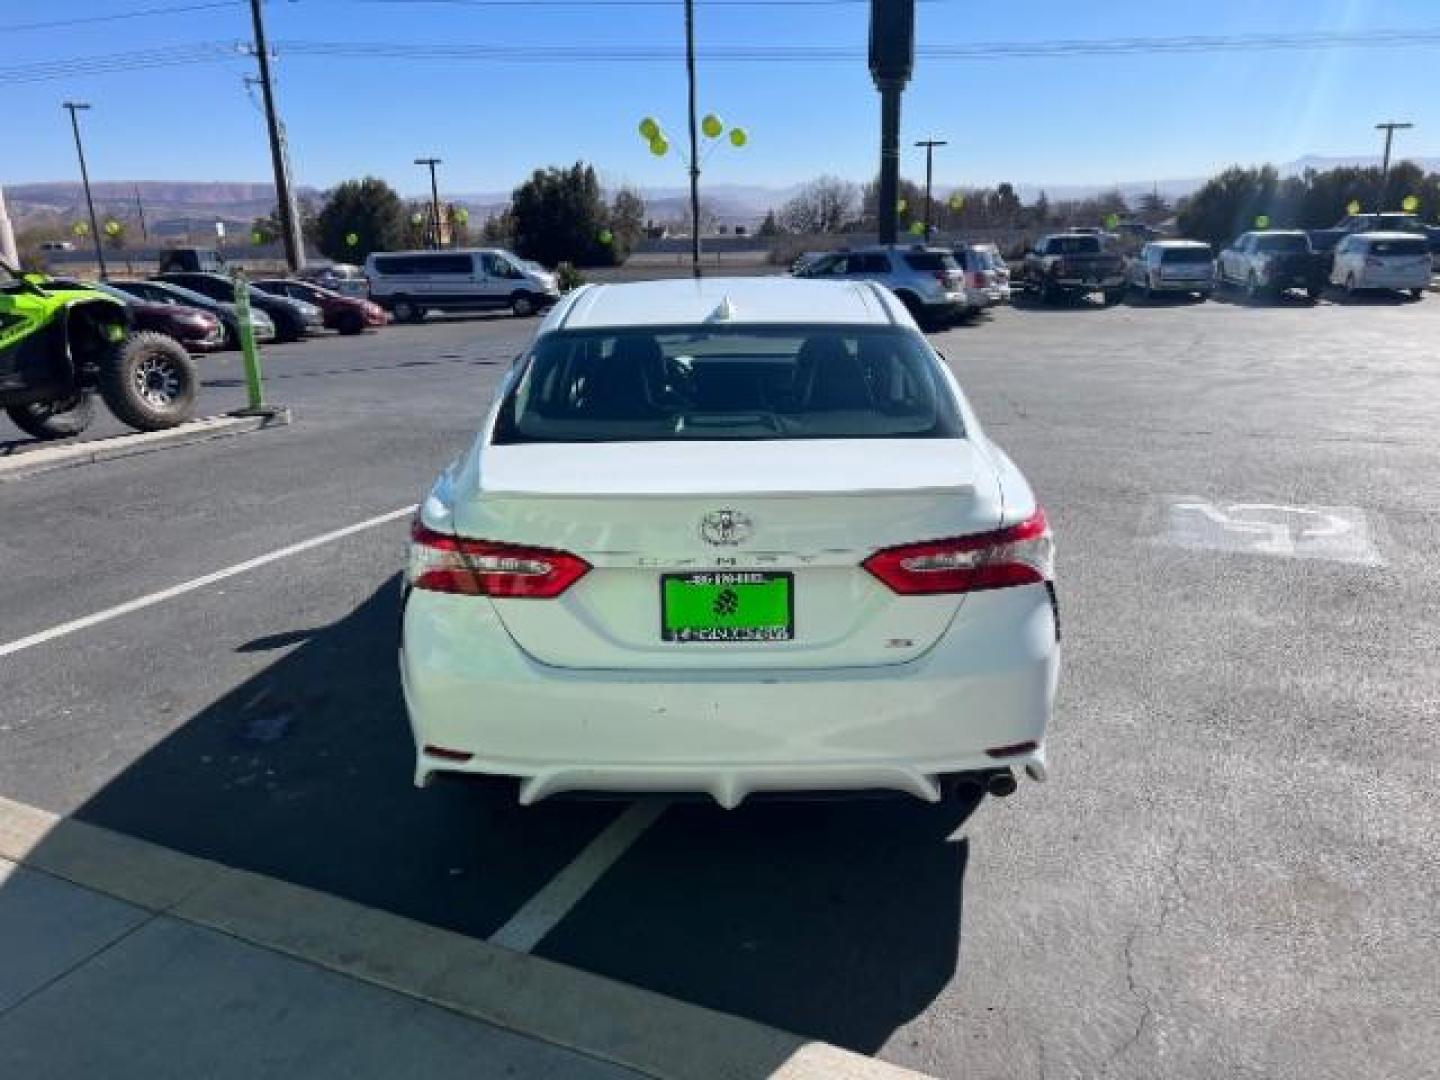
725,528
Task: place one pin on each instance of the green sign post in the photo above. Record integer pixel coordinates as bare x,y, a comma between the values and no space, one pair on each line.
253,377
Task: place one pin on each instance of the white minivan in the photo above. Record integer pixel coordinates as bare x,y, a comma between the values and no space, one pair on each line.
1382,260
410,283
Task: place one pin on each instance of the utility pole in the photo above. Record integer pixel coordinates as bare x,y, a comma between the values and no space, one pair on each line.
74,107
284,207
140,210
694,140
929,145
434,198
892,59
1389,127
7,237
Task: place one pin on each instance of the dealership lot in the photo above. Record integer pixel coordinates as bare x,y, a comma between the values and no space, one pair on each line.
1232,870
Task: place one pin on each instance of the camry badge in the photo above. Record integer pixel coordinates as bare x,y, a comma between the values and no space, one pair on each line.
725,528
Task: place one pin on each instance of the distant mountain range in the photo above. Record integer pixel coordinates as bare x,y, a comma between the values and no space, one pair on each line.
172,208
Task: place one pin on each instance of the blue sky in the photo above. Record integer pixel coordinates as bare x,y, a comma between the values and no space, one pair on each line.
1053,120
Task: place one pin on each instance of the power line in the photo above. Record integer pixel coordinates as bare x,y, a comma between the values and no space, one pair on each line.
212,52
117,16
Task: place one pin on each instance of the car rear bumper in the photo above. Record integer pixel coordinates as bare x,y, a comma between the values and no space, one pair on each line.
1187,285
479,704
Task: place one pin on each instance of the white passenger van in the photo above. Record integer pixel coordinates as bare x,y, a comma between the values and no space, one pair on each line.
410,283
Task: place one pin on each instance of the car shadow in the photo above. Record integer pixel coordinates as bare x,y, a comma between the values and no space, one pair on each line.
1024,301
1136,299
1290,298
838,920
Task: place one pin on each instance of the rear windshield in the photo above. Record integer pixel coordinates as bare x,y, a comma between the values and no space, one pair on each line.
1282,242
928,262
740,383
1418,246
1185,255
1074,245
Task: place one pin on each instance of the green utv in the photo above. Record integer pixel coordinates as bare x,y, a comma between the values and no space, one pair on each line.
59,346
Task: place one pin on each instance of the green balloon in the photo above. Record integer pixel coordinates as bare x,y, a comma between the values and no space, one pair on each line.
649,129
1410,204
712,126
112,228
462,215
352,239
957,201
917,228
416,218
1353,206
80,228
1263,221
659,146
900,206
1112,220
256,238
606,236
739,137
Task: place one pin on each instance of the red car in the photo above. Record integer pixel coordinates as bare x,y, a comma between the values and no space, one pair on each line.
196,330
347,314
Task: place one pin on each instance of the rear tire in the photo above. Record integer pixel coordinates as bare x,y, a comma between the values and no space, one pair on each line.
1252,288
1417,294
1114,296
350,323
149,382
54,419
406,310
1350,288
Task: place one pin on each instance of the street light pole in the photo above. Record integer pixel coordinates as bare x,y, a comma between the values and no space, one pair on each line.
434,198
694,140
892,58
73,107
929,145
1390,127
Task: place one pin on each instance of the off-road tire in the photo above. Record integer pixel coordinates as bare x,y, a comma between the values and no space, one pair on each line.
350,323
149,382
54,419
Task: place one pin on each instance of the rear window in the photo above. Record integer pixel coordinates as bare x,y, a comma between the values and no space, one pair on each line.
1418,246
1185,255
729,383
930,262
1282,242
1073,245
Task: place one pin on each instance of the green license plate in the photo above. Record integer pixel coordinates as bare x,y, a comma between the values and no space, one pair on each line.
727,605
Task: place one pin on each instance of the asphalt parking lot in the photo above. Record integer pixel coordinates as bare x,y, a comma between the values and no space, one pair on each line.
1233,870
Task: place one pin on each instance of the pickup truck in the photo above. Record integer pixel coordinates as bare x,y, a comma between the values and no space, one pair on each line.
1272,262
1074,264
1325,240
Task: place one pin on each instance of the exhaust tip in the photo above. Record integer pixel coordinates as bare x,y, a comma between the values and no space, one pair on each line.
1001,784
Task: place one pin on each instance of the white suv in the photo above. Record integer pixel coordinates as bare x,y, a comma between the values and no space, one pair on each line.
928,281
731,536
410,283
1382,260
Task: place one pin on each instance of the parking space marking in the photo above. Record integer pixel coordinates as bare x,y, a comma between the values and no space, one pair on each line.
142,602
1337,533
543,911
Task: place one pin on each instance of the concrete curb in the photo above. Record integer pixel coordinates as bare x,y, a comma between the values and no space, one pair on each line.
49,458
592,1015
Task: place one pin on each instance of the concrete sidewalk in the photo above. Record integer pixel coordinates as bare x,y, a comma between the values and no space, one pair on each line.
94,986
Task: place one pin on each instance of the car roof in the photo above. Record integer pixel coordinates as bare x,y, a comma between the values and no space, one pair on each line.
1177,243
1381,234
746,301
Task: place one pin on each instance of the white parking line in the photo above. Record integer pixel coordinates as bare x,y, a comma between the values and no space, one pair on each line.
543,911
160,597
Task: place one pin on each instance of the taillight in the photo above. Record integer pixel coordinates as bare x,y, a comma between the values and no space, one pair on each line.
455,564
1022,554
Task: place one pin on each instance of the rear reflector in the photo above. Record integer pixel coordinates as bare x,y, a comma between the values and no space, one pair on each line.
1013,749
1022,554
455,564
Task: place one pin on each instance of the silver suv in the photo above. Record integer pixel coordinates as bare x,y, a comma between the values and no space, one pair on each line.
927,280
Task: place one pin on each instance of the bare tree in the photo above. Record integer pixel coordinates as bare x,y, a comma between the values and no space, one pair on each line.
822,206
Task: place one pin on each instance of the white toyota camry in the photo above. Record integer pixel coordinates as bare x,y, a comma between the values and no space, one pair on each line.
731,536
